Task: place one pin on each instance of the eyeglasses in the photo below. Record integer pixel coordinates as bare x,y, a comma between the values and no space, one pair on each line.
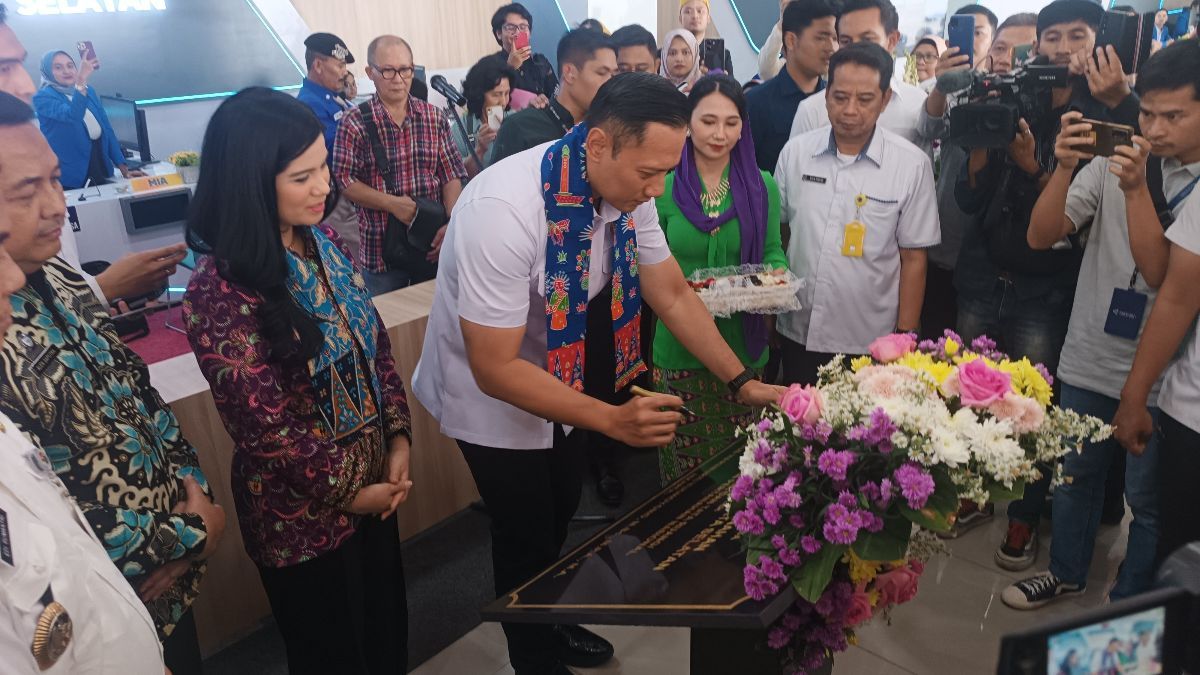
513,29
405,73
925,58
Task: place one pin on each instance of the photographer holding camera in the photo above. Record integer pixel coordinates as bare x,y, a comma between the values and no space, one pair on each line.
1007,290
1124,202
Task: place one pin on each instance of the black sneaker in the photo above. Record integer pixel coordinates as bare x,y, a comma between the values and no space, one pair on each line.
1037,591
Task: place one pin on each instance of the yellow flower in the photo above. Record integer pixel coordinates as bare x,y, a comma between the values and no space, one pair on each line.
1027,381
952,347
859,363
861,571
924,363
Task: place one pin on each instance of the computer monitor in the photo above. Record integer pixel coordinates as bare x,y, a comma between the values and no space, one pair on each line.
129,123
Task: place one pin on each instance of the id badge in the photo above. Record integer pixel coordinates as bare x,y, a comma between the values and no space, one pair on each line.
853,239
1125,313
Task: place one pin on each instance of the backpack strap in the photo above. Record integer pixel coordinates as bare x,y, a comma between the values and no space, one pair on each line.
380,153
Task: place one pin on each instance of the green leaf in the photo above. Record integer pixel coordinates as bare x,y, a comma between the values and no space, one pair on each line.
997,492
816,572
890,543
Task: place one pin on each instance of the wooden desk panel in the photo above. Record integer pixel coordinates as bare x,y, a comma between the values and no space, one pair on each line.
232,602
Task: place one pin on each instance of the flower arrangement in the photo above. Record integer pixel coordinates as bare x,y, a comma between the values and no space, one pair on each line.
184,158
842,487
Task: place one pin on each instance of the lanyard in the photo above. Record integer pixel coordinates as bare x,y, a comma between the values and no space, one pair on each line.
566,127
1183,194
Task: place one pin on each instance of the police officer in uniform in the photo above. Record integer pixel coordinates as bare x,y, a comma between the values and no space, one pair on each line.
329,89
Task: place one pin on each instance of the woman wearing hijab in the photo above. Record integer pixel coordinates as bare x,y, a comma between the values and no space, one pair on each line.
680,59
75,124
717,210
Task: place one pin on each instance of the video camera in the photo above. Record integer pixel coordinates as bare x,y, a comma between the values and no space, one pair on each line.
991,106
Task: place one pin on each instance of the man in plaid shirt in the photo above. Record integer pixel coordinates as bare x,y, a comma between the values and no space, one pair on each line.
424,161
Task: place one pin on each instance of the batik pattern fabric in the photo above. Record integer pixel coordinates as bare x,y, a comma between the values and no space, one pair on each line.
570,218
77,391
308,433
718,416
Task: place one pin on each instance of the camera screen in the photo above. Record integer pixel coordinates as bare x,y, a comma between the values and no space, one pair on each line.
1132,644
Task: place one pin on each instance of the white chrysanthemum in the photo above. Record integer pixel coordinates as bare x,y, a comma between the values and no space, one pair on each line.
748,467
948,447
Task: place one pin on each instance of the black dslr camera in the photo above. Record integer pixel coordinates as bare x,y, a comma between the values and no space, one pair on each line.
990,109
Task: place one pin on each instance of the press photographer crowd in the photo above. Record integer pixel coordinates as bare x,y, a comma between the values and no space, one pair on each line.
1023,187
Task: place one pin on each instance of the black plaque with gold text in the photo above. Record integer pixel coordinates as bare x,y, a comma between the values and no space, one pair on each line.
674,560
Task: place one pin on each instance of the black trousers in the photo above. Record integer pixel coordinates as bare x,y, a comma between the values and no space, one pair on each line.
531,496
800,365
940,309
181,649
345,611
1178,474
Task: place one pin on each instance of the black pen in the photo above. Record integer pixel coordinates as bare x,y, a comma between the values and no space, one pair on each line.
638,391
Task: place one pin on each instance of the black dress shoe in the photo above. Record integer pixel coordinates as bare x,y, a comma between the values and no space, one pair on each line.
610,489
580,647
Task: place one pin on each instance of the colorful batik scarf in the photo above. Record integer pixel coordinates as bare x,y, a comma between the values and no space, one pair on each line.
570,214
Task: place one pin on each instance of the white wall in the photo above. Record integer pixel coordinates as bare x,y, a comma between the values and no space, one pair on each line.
616,13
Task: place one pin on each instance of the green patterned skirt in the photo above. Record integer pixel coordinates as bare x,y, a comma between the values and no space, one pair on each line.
710,430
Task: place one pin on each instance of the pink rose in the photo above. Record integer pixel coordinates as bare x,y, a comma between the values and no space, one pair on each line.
980,385
860,609
1023,413
897,586
891,347
802,404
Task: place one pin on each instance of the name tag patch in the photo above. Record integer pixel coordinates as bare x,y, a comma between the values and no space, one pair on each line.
812,179
1125,313
5,539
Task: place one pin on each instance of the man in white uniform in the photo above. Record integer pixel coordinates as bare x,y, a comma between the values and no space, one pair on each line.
64,607
532,240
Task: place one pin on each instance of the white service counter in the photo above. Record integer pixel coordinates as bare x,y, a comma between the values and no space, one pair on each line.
108,221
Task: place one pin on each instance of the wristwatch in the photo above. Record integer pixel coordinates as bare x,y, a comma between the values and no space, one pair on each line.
735,385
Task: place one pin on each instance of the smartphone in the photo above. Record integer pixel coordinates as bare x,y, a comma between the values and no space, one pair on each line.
419,73
1106,136
1121,30
1021,54
87,52
189,260
521,41
961,33
712,54
495,115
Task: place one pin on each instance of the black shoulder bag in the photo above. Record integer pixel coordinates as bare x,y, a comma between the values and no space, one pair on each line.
405,245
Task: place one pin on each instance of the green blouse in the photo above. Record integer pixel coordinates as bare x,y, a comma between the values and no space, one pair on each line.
695,250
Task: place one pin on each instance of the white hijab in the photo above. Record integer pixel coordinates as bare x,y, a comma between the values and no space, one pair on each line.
686,36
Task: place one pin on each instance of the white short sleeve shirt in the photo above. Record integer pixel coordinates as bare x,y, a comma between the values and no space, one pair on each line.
48,553
901,116
849,301
492,272
1180,395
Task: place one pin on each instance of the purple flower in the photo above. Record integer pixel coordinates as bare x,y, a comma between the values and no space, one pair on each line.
808,451
885,492
915,484
841,525
789,557
797,521
763,452
779,637
927,345
757,586
1044,373
764,425
810,544
846,499
770,568
983,344
748,522
835,463
742,488
870,490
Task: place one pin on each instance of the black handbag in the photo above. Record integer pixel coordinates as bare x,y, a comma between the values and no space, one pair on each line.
405,245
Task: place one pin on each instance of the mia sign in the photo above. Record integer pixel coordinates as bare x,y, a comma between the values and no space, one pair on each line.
55,7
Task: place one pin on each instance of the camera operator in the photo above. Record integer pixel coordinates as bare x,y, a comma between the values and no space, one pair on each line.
1020,297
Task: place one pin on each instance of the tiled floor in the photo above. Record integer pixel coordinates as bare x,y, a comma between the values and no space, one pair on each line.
953,626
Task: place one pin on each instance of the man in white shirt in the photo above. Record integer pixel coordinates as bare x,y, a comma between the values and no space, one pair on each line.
64,607
876,22
860,205
501,366
1172,323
